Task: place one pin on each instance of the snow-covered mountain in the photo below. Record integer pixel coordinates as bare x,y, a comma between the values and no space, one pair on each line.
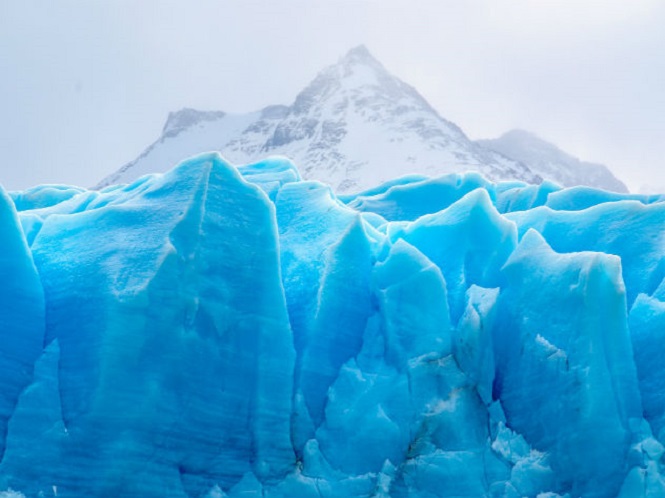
354,126
548,161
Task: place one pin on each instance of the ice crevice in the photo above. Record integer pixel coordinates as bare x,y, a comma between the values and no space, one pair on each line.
222,331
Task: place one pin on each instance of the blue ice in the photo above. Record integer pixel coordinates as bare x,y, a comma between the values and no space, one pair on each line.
221,331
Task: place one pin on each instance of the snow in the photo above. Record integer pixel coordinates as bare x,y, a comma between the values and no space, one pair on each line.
354,126
548,161
225,332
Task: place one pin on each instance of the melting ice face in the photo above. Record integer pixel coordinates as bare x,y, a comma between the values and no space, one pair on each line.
239,332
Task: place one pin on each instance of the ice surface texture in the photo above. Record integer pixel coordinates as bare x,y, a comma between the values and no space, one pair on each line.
223,332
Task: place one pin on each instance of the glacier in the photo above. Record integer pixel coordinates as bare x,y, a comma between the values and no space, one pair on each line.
222,331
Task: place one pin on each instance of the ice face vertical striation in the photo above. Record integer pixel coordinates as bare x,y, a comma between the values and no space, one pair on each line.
229,332
22,324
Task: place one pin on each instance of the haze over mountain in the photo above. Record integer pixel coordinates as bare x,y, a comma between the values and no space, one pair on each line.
548,161
354,126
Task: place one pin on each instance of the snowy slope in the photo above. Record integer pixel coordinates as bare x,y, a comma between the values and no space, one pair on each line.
354,126
550,162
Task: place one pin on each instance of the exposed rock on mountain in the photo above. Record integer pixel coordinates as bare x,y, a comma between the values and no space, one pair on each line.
353,127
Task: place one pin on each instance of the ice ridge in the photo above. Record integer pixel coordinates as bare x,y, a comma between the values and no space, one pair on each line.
222,331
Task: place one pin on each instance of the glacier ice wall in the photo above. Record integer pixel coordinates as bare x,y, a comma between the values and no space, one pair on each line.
237,332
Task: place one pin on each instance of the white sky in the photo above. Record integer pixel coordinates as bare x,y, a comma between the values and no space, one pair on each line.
85,86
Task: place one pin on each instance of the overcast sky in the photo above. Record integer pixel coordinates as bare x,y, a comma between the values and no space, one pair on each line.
85,86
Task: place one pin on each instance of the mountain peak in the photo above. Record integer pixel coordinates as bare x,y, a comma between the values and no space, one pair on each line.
527,140
520,133
359,59
355,70
358,76
549,161
359,54
186,117
353,126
